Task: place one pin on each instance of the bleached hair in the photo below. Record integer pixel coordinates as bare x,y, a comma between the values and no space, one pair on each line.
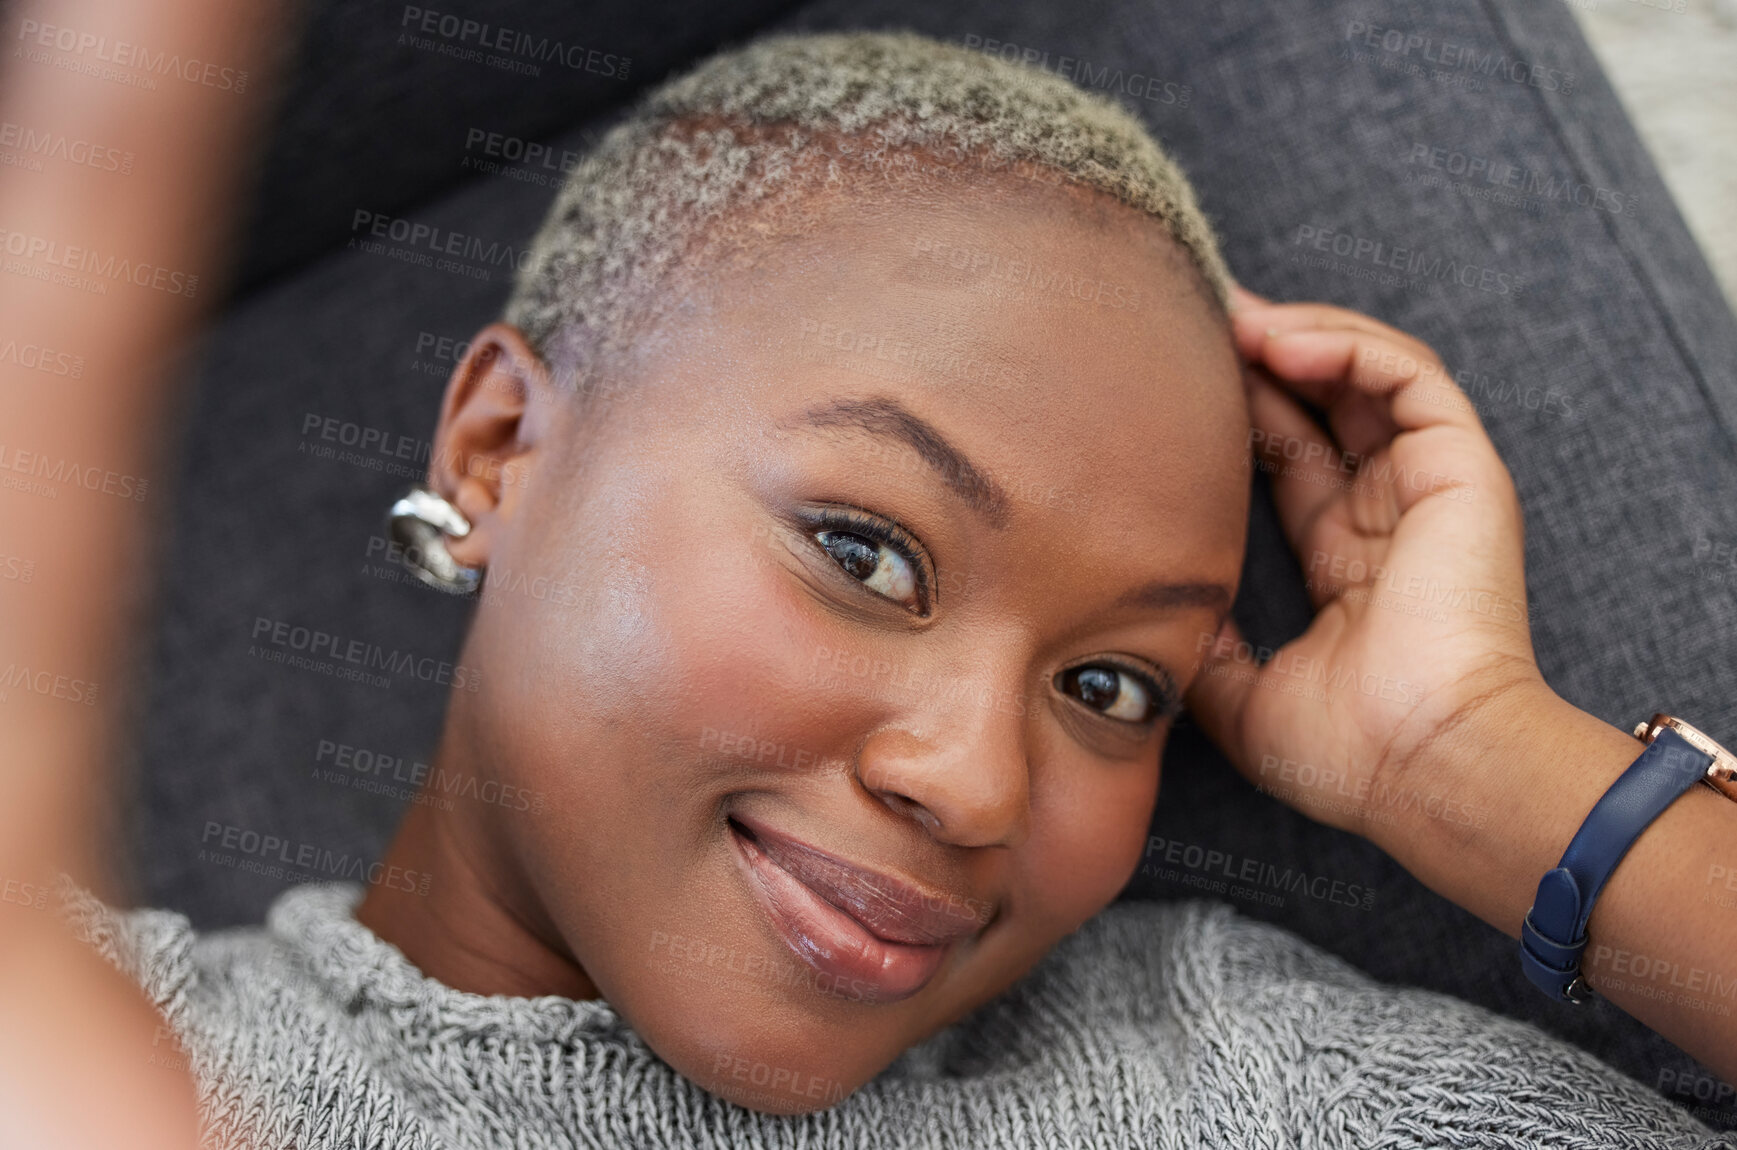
716,162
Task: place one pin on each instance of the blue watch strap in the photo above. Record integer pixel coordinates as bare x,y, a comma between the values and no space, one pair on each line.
1553,937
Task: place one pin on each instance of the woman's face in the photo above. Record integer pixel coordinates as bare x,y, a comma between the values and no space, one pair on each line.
843,646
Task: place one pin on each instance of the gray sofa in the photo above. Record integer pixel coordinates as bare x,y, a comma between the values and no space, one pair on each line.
1591,337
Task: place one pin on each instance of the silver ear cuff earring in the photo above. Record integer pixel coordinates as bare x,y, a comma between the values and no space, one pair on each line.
419,523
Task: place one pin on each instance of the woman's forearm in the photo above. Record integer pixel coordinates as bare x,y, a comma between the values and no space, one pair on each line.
84,1058
1662,940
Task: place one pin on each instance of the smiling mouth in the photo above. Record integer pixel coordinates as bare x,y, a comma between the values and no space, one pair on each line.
878,937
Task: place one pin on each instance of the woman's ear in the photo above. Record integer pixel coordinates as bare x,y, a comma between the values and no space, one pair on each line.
485,448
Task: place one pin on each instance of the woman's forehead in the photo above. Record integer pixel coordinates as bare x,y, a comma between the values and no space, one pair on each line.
1025,312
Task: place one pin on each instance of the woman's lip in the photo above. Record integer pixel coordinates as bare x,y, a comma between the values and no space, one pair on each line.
864,966
890,908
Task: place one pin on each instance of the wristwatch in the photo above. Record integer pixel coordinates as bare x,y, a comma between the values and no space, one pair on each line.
1553,937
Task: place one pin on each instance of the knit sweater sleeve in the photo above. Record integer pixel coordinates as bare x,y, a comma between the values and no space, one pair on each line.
1328,1056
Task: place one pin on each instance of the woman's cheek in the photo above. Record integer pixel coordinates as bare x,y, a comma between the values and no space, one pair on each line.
1089,824
754,650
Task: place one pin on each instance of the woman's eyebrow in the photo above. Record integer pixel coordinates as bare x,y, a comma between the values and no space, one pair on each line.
887,417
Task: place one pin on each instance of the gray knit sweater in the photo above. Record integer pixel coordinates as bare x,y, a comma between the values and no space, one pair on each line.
1154,1025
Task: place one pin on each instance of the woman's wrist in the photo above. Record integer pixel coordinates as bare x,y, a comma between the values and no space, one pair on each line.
1658,944
1519,775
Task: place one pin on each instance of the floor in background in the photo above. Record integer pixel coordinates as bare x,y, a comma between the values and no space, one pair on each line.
1674,63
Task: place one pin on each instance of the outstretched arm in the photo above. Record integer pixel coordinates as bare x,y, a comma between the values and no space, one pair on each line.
1412,711
84,387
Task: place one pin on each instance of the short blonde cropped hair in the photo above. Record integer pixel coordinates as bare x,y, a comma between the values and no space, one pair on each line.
743,134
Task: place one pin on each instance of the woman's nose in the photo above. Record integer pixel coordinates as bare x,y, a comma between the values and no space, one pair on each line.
960,768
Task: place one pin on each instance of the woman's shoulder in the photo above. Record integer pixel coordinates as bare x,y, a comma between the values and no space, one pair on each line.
1200,943
1260,1016
152,947
1220,970
262,1027
1188,958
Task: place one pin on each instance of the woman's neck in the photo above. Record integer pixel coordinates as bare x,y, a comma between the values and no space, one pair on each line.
468,930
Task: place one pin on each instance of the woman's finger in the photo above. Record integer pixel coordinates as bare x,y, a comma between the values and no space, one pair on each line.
1430,441
1361,424
1221,690
1316,487
1257,319
1325,368
1241,299
1304,464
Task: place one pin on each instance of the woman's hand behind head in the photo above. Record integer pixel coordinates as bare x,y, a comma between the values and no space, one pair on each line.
1408,530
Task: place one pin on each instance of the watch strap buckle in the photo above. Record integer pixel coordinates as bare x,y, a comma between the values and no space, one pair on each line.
1550,962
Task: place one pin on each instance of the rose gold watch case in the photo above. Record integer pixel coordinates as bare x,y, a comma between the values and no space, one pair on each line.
1721,774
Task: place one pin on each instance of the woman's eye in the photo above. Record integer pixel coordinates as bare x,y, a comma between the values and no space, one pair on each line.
877,566
1110,692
